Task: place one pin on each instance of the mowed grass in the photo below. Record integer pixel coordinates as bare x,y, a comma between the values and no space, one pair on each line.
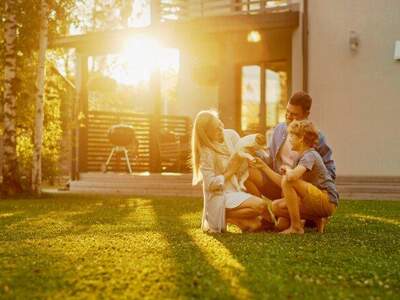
81,247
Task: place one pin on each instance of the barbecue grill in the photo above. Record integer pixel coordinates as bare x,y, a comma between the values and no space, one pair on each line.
121,136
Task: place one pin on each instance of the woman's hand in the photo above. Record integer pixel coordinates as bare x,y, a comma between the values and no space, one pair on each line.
235,162
259,164
234,165
265,168
283,169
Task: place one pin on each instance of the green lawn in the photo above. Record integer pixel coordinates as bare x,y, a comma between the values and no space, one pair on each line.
122,248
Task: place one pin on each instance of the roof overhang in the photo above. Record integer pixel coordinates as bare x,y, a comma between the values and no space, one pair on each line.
170,33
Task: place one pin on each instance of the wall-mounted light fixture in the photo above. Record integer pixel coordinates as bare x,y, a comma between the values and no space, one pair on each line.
253,36
354,41
397,51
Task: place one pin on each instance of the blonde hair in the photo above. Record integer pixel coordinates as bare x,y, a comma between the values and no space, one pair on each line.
306,130
200,139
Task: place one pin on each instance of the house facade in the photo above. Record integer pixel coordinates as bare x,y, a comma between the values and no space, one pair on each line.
245,59
354,80
345,60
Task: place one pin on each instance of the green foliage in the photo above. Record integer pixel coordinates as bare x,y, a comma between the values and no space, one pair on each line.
105,94
28,20
53,128
55,93
99,15
82,247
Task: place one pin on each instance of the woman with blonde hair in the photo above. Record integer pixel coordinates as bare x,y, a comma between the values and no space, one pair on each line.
215,165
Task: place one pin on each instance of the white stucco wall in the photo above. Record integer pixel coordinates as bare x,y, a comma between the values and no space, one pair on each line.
356,94
193,96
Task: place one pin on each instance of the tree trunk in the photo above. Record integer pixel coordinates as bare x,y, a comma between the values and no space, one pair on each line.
39,111
10,184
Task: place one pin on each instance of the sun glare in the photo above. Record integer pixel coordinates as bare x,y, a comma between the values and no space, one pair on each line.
140,57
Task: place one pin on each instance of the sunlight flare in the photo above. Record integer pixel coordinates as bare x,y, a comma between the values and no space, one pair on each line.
140,57
6,215
374,218
220,257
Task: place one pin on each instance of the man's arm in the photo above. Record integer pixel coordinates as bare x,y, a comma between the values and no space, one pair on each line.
326,153
265,156
275,177
271,136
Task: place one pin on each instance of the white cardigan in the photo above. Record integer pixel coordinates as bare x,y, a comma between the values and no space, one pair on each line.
211,168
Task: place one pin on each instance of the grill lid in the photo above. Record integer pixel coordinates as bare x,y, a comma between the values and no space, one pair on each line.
121,135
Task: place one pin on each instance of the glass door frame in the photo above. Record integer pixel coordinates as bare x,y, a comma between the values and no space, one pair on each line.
276,65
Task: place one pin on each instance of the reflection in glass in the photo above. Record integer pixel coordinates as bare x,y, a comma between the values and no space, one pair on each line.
253,101
251,98
276,94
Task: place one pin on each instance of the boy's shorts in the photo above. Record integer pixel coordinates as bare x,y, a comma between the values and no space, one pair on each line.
316,203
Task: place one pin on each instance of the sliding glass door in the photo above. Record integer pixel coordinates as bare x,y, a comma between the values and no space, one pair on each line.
264,90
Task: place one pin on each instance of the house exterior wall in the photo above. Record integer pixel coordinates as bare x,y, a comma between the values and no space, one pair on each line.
356,93
197,83
209,71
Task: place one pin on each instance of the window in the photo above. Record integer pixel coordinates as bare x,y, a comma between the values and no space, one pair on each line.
263,96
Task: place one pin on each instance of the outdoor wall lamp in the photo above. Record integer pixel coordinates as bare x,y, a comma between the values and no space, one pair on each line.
253,36
397,50
354,41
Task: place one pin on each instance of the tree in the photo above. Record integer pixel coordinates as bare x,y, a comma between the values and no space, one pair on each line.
39,111
10,183
18,89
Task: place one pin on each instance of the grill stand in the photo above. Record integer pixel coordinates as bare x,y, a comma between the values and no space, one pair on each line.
116,149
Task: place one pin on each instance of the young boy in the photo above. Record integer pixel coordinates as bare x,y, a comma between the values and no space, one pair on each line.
308,190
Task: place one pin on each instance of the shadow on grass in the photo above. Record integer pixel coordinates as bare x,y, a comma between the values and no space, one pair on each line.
28,271
103,213
196,278
354,258
137,244
61,216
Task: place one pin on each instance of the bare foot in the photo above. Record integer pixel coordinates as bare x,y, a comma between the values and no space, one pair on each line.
292,230
282,224
320,224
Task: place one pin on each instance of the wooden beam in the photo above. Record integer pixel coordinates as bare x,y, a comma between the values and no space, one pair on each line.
172,34
305,46
155,88
82,113
155,7
226,83
238,99
263,99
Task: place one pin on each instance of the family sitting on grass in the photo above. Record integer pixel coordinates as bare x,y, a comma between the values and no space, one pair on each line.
280,185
